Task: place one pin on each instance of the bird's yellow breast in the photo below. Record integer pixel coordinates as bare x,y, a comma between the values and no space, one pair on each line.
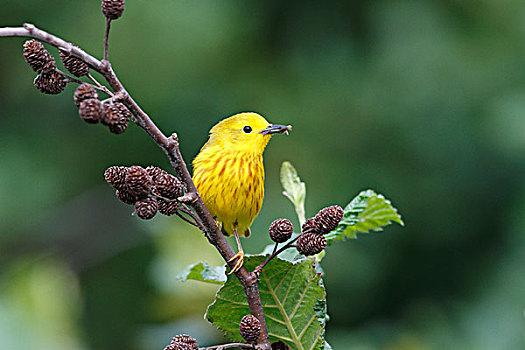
231,184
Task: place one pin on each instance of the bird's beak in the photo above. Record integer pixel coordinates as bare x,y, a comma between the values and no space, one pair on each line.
276,129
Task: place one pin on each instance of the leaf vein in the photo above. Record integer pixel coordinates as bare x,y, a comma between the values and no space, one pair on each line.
301,298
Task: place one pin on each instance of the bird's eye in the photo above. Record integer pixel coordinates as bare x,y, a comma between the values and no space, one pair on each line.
247,129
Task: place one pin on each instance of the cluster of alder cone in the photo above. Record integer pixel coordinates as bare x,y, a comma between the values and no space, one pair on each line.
311,241
149,189
51,80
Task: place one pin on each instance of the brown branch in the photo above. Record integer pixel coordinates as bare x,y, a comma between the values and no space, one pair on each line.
106,38
194,223
230,345
171,147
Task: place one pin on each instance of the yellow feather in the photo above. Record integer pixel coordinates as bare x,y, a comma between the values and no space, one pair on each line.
229,173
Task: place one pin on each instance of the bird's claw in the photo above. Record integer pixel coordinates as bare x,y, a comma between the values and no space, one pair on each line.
240,261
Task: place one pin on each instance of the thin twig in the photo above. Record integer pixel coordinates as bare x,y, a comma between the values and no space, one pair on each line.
186,219
106,38
69,77
194,217
99,86
289,244
230,345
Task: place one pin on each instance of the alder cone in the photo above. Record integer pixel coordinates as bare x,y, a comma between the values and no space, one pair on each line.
281,230
327,219
125,196
154,171
116,176
310,243
116,117
74,65
113,9
178,346
146,208
167,208
250,328
280,346
168,185
50,81
36,55
309,226
84,92
90,110
138,182
186,339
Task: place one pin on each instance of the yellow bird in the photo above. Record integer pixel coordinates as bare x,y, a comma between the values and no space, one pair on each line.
229,173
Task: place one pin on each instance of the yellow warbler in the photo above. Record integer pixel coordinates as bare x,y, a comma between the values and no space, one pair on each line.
229,173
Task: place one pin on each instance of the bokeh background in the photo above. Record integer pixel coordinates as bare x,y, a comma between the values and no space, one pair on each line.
423,101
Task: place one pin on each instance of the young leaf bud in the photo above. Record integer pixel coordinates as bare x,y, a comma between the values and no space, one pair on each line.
310,243
327,219
74,65
250,328
281,230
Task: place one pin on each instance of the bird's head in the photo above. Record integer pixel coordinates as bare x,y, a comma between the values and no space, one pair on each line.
245,131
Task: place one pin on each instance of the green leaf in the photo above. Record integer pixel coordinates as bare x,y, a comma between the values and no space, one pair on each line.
368,211
294,189
202,271
293,299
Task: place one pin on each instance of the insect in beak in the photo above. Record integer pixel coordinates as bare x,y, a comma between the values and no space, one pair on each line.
276,129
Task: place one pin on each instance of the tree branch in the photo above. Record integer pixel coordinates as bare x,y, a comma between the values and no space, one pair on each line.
106,38
230,345
171,147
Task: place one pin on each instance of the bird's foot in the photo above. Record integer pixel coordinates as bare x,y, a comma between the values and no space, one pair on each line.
238,264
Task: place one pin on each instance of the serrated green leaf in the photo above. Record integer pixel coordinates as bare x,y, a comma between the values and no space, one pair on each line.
294,189
368,211
202,271
293,300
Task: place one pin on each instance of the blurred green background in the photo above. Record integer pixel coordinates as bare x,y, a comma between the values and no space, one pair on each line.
423,101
